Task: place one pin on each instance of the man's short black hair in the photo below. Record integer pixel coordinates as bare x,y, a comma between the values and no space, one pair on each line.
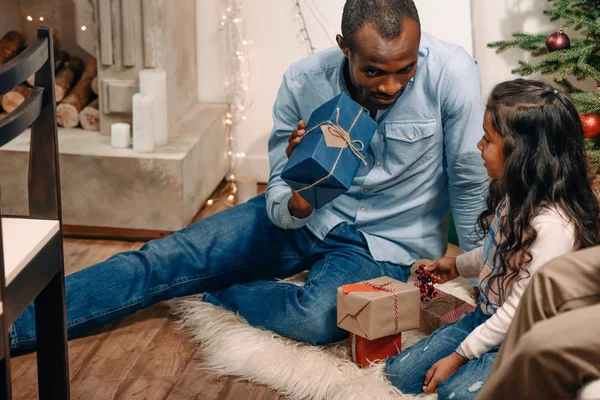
388,15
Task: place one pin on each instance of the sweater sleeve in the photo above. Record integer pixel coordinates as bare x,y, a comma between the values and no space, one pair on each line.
555,237
469,264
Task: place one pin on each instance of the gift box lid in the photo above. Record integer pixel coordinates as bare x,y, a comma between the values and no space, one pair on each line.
324,157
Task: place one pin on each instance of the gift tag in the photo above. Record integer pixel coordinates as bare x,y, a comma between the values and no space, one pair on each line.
358,287
332,138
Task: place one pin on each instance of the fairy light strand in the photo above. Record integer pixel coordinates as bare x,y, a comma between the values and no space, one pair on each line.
237,74
237,84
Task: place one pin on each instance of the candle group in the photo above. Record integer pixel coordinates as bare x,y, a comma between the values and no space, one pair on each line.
150,118
154,81
120,135
143,134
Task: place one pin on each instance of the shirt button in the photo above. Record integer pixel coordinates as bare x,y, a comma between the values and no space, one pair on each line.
411,136
287,220
365,190
363,209
378,163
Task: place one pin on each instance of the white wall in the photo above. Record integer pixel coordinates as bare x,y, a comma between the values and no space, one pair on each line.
498,20
275,45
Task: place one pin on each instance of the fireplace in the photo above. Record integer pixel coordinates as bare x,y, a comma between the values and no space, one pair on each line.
116,188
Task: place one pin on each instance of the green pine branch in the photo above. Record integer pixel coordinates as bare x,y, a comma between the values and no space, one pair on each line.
593,160
581,61
533,43
586,102
581,15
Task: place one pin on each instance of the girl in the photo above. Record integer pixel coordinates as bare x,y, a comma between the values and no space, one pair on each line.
540,206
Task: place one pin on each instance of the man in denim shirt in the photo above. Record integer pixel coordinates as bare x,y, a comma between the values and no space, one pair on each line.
422,162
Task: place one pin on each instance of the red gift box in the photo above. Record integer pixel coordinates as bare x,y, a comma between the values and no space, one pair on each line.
363,351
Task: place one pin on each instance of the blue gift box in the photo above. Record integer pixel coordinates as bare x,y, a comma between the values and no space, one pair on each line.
324,164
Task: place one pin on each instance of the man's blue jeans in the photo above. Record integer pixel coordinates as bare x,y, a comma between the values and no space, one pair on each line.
235,256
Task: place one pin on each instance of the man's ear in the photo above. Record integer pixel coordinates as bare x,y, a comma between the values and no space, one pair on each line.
342,45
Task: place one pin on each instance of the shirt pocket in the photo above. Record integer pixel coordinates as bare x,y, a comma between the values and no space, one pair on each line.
408,143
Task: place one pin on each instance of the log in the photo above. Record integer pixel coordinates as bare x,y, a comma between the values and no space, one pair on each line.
11,44
89,117
67,112
14,98
95,85
60,57
67,76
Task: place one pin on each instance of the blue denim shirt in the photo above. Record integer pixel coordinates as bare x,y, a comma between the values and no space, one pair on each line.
422,162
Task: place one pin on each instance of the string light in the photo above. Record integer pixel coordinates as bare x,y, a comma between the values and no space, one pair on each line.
42,19
29,18
237,85
83,28
237,78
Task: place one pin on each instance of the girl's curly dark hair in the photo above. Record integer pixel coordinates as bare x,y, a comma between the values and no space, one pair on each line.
545,164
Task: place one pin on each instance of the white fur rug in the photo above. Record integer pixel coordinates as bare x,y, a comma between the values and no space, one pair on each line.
300,371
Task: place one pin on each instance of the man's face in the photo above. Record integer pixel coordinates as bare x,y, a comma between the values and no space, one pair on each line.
381,68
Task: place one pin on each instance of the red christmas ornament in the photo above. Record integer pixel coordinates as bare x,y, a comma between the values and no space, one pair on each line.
591,124
558,41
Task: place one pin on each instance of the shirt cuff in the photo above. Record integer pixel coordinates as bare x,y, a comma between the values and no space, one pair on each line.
287,220
460,351
466,266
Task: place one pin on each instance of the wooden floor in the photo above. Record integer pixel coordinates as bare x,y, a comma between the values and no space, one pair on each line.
142,356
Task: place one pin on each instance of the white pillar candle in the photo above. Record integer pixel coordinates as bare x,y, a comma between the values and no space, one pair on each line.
247,188
120,135
155,81
143,135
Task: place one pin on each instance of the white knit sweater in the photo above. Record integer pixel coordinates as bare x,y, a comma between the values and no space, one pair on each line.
555,237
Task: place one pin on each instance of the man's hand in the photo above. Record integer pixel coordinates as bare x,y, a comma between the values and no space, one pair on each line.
444,269
298,207
295,138
442,370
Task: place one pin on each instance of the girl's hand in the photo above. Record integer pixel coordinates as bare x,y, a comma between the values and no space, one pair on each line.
442,370
444,269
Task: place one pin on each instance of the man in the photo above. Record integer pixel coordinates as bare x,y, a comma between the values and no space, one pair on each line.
552,347
425,96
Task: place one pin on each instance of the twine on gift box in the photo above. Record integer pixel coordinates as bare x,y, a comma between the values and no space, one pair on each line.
338,131
382,287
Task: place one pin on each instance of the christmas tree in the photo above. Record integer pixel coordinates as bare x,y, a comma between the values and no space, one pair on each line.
565,58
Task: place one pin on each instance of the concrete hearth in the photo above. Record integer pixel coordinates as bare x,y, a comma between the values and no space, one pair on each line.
118,188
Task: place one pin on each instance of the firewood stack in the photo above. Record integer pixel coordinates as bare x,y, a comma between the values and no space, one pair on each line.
76,85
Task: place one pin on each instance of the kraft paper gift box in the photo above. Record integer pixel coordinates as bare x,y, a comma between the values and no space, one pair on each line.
441,310
363,351
378,308
324,164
